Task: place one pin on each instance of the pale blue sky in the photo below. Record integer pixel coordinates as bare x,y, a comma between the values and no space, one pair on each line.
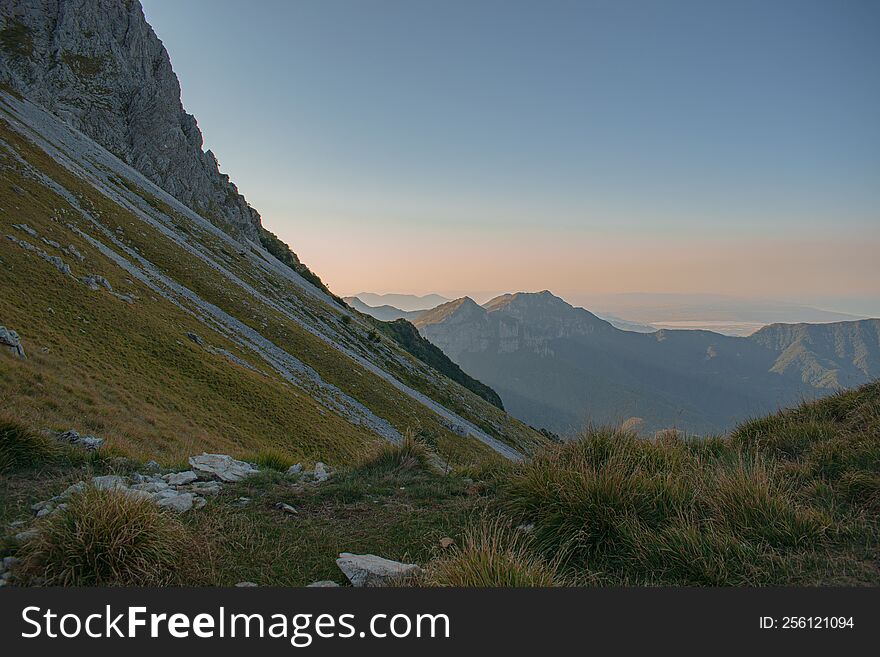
369,131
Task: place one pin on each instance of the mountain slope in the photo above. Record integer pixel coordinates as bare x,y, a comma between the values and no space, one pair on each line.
201,339
562,367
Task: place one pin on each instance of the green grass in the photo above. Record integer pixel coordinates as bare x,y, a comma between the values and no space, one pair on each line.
608,509
790,499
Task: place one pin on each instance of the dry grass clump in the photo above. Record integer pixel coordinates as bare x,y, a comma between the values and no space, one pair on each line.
410,454
106,538
617,509
22,449
492,554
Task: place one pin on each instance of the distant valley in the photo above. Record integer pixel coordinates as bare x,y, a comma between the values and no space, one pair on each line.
561,367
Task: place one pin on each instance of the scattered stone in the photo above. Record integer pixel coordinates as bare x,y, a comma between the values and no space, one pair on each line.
96,282
10,340
242,501
281,506
152,465
321,472
370,570
195,338
206,487
74,438
151,486
72,250
109,482
52,243
295,469
446,542
26,229
128,298
181,478
57,262
324,583
179,502
457,429
526,528
220,466
73,489
245,585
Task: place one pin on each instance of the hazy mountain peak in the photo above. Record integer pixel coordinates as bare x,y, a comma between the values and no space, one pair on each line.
458,310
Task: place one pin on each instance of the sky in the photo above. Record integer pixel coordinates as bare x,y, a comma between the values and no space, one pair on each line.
589,147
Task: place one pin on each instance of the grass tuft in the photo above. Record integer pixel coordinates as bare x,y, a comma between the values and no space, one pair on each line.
22,449
106,538
492,554
411,454
271,459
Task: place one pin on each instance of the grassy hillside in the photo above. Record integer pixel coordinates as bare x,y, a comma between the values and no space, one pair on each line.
787,499
275,364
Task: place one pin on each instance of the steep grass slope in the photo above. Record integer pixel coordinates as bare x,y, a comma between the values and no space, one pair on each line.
205,341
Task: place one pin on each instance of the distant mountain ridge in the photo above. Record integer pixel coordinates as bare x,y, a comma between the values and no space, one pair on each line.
385,313
404,302
559,367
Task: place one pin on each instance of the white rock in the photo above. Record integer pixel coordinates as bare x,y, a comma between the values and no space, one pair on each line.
220,466
206,487
321,473
370,570
78,487
324,583
109,482
151,486
295,469
281,506
179,502
181,478
245,585
10,340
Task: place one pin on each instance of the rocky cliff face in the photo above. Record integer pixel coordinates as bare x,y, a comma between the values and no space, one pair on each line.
98,65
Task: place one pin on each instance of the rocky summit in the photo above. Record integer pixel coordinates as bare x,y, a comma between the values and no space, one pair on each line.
98,65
